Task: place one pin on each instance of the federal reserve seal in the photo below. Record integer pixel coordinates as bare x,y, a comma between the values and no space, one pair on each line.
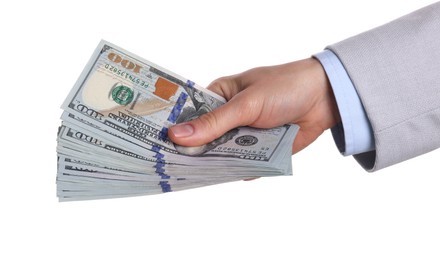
246,140
122,95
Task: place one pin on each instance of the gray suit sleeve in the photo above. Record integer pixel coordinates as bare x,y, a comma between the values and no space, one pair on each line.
395,69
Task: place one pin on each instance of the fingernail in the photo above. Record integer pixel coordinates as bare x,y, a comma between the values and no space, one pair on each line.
182,130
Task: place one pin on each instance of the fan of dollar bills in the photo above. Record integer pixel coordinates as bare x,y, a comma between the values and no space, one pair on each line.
113,138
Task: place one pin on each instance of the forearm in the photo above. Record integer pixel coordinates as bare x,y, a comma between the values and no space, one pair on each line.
394,69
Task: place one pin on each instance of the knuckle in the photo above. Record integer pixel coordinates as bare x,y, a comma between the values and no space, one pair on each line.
226,87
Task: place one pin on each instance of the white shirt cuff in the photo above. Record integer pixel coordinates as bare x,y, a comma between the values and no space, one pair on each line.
354,135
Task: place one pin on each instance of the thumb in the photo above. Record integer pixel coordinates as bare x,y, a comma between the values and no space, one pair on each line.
207,127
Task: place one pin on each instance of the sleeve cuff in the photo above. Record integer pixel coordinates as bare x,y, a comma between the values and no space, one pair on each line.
354,134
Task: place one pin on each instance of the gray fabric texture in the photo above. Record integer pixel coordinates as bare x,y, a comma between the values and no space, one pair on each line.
395,69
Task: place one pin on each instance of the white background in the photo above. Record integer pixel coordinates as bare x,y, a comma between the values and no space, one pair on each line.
330,209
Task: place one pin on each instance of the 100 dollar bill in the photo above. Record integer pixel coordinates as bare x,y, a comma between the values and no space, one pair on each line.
134,102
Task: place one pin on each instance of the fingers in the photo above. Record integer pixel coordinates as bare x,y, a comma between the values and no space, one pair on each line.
206,128
226,87
305,136
211,126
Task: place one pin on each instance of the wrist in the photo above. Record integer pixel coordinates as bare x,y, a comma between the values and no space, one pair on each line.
326,103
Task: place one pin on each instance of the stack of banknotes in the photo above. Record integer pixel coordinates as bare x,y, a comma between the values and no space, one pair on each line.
113,139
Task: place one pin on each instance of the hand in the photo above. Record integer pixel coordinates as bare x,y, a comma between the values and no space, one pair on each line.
266,97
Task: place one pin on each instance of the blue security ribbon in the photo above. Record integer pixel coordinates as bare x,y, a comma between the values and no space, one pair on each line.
159,156
163,134
155,148
160,163
166,187
190,84
177,109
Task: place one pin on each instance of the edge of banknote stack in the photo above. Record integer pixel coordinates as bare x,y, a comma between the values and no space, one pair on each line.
113,141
